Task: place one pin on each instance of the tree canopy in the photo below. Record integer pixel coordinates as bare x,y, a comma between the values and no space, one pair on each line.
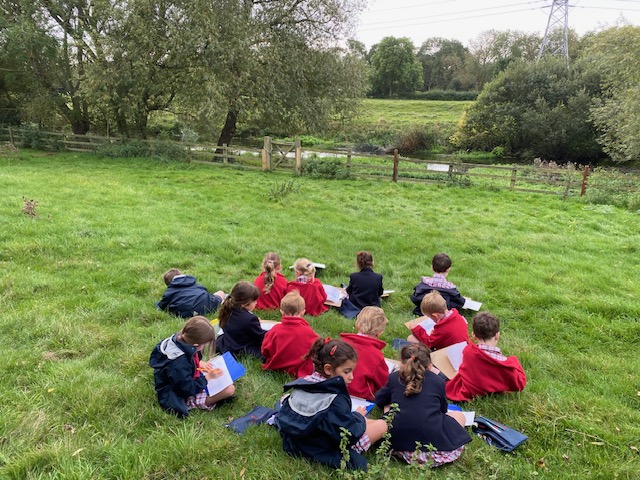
395,69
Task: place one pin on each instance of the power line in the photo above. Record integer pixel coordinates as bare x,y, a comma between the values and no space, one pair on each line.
420,5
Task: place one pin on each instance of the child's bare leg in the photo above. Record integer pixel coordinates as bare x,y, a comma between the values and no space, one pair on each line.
226,393
375,429
412,339
457,416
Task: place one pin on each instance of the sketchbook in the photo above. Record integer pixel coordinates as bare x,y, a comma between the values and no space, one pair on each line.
335,295
469,417
471,304
386,293
361,402
425,322
448,359
265,324
231,371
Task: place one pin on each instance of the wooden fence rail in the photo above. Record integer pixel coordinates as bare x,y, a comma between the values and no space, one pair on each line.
290,156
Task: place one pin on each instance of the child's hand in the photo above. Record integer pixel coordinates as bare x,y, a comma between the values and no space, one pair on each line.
362,411
213,373
220,294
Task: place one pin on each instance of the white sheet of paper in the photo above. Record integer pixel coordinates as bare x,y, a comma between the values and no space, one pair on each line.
216,385
392,366
469,417
427,324
334,294
454,353
471,304
268,324
319,266
387,292
360,402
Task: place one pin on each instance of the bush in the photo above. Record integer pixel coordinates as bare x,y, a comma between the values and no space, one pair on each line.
425,138
138,148
613,187
325,168
32,137
450,95
279,191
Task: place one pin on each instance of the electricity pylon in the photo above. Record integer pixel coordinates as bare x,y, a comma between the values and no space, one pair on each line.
558,19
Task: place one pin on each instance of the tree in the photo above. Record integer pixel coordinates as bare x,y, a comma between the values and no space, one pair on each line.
443,63
535,110
613,55
395,70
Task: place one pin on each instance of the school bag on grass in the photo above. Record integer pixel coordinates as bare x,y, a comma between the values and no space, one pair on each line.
497,434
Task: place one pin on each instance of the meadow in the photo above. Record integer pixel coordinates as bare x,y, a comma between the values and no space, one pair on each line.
80,278
410,113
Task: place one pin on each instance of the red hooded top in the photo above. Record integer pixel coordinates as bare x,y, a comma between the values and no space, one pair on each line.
371,372
285,345
479,374
313,294
447,331
271,300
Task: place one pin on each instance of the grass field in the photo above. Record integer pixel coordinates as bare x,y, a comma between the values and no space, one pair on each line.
409,113
79,281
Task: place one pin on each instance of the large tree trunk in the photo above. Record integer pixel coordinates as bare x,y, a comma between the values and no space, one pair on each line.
229,129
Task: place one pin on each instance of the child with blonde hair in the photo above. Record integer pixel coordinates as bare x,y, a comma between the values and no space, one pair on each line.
271,282
450,327
422,417
312,419
372,372
179,377
242,330
310,288
286,345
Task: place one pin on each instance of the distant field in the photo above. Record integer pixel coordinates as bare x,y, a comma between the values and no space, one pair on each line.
403,113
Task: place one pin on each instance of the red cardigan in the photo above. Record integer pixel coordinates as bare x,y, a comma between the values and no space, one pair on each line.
271,300
479,374
447,331
285,345
313,294
371,372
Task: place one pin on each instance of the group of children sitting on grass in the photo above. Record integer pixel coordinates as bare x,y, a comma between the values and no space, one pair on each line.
329,372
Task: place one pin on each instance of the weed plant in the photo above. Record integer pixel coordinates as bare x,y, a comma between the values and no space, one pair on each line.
78,320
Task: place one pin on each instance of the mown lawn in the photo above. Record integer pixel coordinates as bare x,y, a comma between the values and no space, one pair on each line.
78,322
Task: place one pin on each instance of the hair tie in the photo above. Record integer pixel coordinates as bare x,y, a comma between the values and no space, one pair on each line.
309,264
412,357
333,350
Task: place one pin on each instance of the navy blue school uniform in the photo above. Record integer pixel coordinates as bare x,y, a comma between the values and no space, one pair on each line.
186,298
365,288
242,334
174,374
451,295
310,418
422,417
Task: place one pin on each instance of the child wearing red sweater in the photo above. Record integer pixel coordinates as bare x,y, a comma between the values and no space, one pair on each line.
371,372
286,345
271,282
484,369
450,327
309,287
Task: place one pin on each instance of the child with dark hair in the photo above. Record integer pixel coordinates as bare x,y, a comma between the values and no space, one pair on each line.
185,298
441,265
372,371
422,417
180,379
271,282
484,369
450,327
242,330
364,289
310,288
319,407
286,345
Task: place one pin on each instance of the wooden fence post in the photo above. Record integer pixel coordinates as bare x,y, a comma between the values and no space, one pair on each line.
225,160
395,165
298,158
514,172
585,176
266,154
11,137
349,163
189,153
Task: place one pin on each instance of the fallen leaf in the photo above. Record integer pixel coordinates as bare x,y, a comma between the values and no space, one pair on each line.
565,457
635,449
49,390
597,443
77,452
69,428
540,463
242,472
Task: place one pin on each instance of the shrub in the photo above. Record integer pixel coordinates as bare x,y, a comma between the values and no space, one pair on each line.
425,138
279,191
32,137
325,168
613,187
138,148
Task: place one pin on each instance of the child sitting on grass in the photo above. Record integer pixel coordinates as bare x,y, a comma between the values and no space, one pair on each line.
484,369
371,372
311,419
271,283
364,289
309,287
441,265
450,327
422,417
243,333
186,298
179,377
286,345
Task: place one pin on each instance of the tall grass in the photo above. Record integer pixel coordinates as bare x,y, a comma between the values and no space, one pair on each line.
78,322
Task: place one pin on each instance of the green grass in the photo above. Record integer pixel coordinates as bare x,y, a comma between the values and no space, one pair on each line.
410,113
78,322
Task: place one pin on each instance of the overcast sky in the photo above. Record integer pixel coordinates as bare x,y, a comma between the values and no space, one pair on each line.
465,19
